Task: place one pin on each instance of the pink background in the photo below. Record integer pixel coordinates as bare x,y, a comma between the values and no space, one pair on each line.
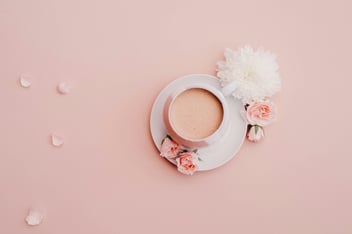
108,177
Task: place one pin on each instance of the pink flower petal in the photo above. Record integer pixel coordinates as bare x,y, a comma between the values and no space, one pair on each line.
64,88
169,148
34,217
187,163
24,82
57,141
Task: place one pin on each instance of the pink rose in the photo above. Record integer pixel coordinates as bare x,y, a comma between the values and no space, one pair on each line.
255,133
187,163
260,113
169,148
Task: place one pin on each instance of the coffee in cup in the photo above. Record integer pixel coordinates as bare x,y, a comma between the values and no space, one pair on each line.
197,115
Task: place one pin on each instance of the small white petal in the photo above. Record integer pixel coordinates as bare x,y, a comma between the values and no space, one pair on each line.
57,141
25,83
34,217
64,88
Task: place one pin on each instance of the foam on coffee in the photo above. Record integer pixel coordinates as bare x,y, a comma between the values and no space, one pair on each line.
196,114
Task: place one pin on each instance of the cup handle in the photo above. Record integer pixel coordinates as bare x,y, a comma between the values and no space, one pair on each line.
230,88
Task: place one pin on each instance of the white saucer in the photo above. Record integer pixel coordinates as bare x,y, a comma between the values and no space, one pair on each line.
217,154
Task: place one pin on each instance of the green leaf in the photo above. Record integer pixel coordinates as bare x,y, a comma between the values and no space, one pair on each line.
256,128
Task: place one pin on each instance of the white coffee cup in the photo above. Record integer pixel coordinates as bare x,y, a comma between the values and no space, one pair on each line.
220,95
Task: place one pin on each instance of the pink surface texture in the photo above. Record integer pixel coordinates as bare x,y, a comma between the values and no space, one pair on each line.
118,55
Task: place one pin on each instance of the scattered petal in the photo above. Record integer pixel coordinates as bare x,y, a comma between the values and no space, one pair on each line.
34,217
64,88
24,81
57,141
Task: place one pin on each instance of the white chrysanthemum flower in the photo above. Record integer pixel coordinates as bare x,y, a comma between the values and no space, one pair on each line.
255,71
